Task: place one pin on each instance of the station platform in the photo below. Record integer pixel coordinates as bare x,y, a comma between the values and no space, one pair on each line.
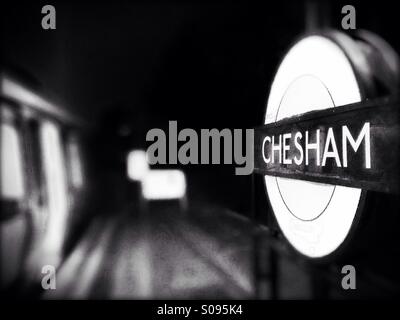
164,253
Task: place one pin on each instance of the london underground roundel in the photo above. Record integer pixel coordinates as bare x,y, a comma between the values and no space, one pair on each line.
314,217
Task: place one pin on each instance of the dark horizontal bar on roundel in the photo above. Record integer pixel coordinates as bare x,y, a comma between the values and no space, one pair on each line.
381,116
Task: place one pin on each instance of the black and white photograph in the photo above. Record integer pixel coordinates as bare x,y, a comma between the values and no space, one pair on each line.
200,159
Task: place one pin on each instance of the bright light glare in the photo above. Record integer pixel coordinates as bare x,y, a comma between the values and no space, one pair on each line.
137,165
55,177
314,217
164,185
12,181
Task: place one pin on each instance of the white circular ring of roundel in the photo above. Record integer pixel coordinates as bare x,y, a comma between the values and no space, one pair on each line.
315,74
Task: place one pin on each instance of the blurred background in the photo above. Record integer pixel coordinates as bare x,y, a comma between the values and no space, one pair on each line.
75,102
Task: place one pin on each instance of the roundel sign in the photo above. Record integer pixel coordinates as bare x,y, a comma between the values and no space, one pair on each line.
314,217
330,136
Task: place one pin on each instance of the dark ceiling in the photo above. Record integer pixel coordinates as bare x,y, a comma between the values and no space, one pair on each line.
203,64
172,59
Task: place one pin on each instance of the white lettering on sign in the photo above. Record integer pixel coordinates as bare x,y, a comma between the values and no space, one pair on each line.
280,147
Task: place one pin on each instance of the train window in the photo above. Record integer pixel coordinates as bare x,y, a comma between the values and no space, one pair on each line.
55,177
35,173
75,161
12,226
12,179
35,163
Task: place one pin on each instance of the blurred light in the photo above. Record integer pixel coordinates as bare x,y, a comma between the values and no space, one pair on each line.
16,92
55,177
12,179
75,162
137,165
164,185
315,74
